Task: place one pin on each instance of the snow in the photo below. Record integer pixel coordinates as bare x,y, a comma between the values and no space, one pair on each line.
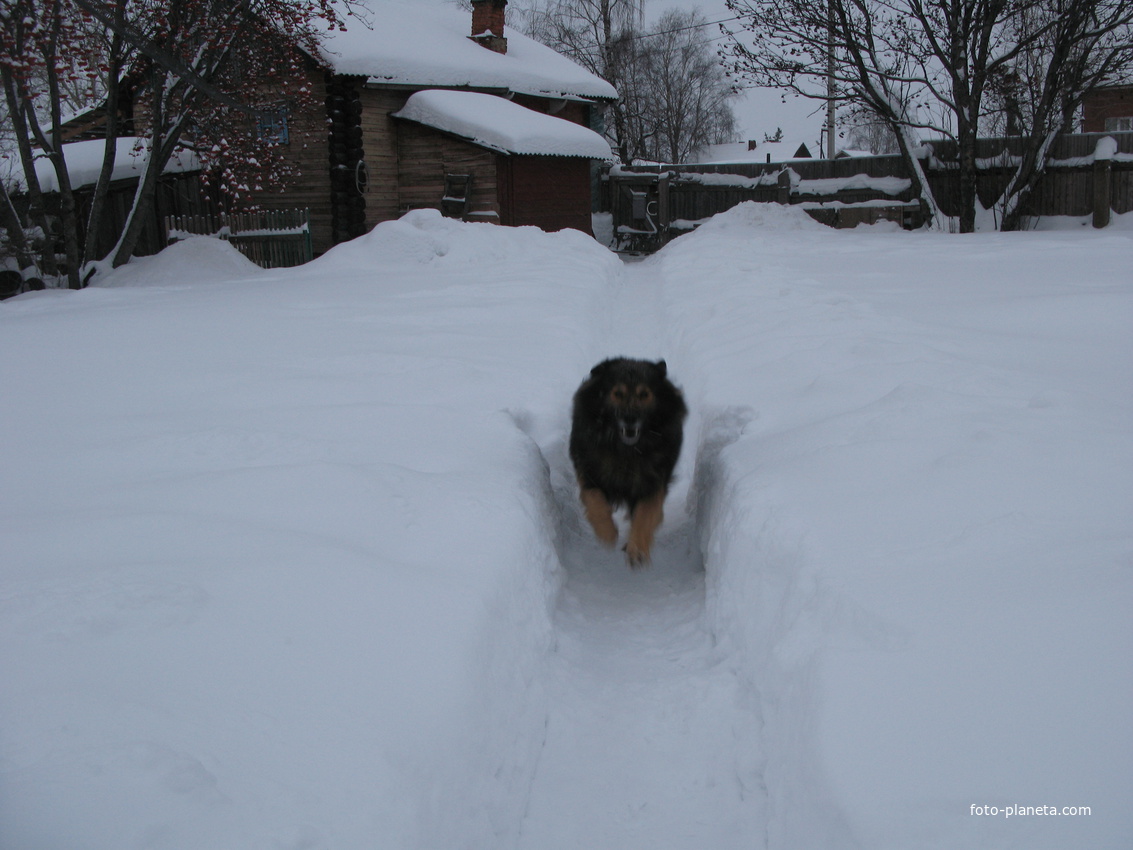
738,181
426,43
834,185
824,186
501,125
293,558
877,202
1106,148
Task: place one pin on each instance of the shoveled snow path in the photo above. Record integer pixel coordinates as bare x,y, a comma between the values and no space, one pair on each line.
652,740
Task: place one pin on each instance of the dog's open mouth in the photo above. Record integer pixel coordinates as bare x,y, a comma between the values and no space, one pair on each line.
630,432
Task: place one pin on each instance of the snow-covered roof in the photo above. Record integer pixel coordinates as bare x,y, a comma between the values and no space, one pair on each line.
501,125
852,153
425,43
739,152
84,161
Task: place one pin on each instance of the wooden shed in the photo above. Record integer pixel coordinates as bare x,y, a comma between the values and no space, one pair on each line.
488,159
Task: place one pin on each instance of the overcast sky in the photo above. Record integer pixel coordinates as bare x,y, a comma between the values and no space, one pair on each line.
760,111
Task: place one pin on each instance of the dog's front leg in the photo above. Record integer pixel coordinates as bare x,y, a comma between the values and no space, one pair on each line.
600,515
647,515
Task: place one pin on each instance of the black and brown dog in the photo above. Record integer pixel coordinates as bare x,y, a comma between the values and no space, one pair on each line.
626,431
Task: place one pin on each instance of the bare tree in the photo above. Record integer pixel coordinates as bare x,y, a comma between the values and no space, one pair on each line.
685,94
1068,48
865,131
673,93
597,34
34,59
936,66
793,43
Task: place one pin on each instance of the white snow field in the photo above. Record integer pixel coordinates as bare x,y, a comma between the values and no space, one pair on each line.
293,559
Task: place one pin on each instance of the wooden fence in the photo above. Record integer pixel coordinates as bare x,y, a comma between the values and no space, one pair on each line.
269,238
651,204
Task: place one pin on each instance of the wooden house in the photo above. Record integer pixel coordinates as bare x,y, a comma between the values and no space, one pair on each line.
381,159
507,130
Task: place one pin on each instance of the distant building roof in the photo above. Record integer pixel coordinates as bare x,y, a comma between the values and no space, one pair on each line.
426,43
749,152
501,125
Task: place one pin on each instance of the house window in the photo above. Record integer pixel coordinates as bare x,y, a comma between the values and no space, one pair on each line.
1119,125
271,126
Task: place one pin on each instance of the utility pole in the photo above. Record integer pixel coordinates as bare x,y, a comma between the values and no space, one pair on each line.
831,89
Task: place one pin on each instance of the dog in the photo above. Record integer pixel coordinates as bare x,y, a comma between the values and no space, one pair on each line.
627,424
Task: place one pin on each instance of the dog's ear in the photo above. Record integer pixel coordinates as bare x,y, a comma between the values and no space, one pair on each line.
662,369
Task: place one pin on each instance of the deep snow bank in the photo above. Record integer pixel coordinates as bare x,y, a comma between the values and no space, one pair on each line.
919,546
277,560
278,545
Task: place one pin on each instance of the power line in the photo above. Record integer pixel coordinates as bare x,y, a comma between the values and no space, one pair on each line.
680,29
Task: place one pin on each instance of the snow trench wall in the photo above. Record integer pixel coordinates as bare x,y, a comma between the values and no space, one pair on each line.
477,787
765,608
278,569
766,604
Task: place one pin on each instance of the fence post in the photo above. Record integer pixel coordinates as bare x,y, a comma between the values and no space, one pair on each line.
1103,176
784,183
308,244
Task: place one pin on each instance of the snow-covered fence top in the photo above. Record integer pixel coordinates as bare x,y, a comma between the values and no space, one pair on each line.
269,238
1089,174
649,206
1074,150
891,186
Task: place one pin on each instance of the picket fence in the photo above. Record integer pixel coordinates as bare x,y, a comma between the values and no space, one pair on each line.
269,238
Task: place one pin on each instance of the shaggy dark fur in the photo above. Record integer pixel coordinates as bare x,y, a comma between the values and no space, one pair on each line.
625,438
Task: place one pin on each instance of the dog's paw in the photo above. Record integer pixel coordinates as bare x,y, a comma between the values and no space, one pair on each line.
636,556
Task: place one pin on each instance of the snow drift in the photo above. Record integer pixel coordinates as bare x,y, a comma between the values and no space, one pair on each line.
293,559
915,548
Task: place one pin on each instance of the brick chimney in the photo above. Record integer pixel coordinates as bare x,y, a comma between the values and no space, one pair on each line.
488,24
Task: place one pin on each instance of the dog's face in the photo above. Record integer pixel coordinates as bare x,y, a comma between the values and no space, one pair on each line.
629,394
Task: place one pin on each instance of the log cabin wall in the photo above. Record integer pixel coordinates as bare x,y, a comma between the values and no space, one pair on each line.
348,174
306,152
379,144
310,189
